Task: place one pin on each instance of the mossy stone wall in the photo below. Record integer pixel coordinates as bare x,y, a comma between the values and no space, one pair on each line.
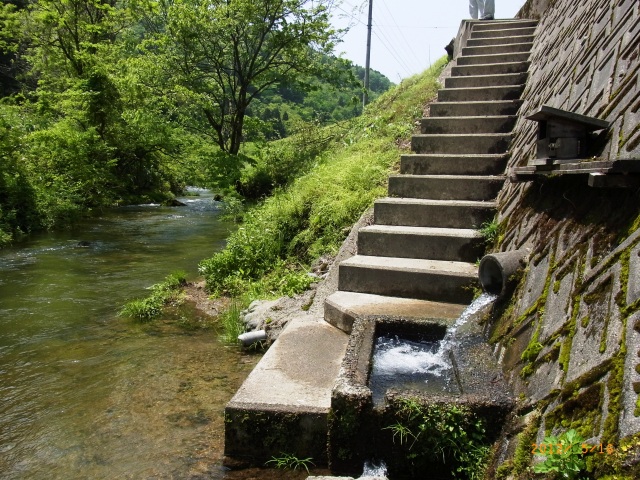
569,337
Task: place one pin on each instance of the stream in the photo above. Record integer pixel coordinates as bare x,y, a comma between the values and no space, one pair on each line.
86,394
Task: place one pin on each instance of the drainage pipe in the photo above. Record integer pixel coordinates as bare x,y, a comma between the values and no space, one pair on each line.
497,270
250,338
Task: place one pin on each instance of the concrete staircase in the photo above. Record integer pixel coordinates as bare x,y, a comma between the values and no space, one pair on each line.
417,261
425,240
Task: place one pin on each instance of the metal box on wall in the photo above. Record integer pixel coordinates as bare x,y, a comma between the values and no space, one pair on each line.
563,135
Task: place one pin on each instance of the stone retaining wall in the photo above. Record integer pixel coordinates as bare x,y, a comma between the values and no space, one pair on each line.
569,337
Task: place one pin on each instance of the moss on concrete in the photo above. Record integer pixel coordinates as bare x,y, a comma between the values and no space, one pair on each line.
582,412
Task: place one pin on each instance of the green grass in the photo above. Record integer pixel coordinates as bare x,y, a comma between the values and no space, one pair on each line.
167,292
291,462
270,252
231,321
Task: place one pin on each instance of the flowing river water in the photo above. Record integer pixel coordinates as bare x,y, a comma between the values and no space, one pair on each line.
86,394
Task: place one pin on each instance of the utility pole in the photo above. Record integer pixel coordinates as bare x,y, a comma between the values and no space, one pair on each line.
368,62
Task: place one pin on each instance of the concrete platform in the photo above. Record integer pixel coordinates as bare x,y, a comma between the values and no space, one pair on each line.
457,164
445,187
432,213
490,68
461,109
457,244
434,280
341,309
486,80
482,143
479,94
460,125
282,406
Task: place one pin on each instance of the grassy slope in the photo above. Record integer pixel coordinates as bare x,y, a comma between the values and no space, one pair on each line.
269,254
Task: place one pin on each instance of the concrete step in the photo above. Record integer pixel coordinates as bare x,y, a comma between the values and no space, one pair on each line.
490,68
457,244
483,42
497,49
341,309
432,213
445,187
470,109
475,164
496,124
436,280
493,58
503,24
465,143
486,80
478,94
480,31
277,387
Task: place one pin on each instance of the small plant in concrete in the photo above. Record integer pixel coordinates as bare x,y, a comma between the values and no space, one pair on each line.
564,455
448,434
291,462
490,231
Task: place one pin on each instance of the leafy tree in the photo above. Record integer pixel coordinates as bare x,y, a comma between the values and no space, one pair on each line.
226,53
9,45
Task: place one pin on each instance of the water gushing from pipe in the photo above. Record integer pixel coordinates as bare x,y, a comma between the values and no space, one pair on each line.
395,356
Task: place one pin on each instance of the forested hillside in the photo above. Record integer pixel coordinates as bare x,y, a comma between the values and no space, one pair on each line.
109,102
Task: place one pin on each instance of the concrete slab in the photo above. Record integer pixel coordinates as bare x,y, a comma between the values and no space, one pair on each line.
481,42
486,80
458,244
490,68
484,124
495,107
490,31
461,143
343,308
461,269
456,164
435,280
446,187
283,405
277,380
498,49
434,213
476,94
488,59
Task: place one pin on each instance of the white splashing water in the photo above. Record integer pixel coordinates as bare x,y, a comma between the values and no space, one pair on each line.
401,356
477,305
394,356
372,469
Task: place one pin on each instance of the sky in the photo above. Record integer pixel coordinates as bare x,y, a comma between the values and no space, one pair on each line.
407,35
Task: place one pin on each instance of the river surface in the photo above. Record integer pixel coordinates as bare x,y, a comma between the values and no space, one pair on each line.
86,394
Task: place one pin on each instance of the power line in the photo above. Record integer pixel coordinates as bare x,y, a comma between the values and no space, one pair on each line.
392,51
400,35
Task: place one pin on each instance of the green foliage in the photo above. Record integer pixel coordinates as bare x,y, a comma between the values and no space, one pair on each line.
291,462
490,231
566,459
167,292
231,320
225,54
439,433
313,214
278,163
118,102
